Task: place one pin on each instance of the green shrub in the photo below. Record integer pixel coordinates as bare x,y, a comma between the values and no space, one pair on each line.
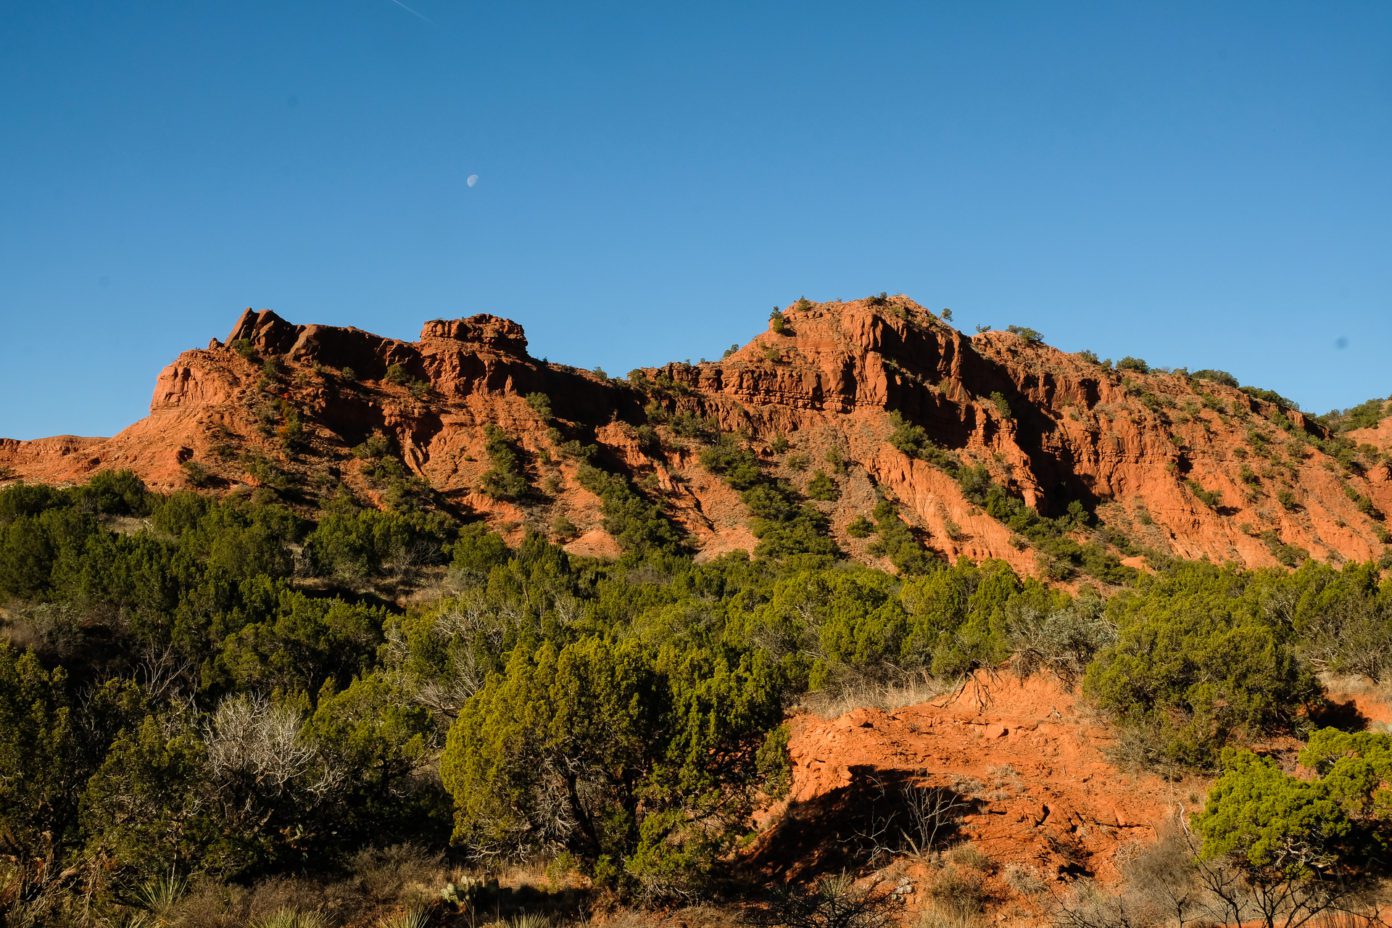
33,546
353,546
914,440
540,404
860,527
1271,396
1287,554
299,644
1343,618
44,760
1214,376
114,493
563,529
638,524
689,425
1209,498
478,550
651,755
504,479
197,476
1362,503
1196,666
1030,336
140,807
959,618
896,541
783,525
1301,844
821,487
1365,415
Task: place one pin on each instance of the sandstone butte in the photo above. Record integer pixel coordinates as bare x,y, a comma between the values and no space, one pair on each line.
1169,464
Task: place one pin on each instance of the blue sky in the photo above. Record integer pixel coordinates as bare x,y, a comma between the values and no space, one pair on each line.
1199,184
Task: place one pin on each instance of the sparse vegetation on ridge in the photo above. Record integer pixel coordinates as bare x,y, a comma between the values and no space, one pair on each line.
211,697
268,711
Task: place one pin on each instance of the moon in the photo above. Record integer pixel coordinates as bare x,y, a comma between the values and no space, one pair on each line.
471,180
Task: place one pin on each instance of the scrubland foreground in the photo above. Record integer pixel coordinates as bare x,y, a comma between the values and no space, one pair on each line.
418,643
218,711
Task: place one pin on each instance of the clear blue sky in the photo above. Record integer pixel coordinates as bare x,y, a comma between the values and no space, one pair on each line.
1200,184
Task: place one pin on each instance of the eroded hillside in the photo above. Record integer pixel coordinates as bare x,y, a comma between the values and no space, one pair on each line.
993,445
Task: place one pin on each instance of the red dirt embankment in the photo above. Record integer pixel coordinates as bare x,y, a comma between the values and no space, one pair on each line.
1028,761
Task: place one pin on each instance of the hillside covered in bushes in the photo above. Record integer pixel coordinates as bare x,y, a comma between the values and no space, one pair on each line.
246,708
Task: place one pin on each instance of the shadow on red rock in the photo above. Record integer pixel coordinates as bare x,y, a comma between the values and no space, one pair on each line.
878,815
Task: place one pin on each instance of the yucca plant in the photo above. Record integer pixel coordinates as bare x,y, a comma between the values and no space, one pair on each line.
156,897
414,917
292,918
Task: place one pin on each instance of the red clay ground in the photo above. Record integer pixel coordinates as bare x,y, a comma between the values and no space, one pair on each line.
1036,766
1043,794
1040,796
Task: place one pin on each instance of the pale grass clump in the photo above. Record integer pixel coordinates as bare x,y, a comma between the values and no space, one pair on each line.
414,917
398,886
292,918
876,694
960,894
1025,880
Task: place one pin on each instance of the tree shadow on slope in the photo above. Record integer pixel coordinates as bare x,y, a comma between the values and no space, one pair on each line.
879,815
1344,715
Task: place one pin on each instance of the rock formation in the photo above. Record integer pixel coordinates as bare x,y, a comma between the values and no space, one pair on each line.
1163,463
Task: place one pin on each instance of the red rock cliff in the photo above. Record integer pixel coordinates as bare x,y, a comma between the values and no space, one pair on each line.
1169,464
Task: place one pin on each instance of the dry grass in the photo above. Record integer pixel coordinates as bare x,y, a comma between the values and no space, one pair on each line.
1005,783
960,893
1025,880
400,873
414,917
875,694
935,917
393,886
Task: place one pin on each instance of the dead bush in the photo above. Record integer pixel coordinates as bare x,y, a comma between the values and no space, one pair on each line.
930,815
396,874
1158,887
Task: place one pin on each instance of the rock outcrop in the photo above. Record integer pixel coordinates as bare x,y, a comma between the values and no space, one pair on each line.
1163,463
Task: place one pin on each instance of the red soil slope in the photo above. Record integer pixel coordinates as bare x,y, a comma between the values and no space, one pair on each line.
1171,465
1043,791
